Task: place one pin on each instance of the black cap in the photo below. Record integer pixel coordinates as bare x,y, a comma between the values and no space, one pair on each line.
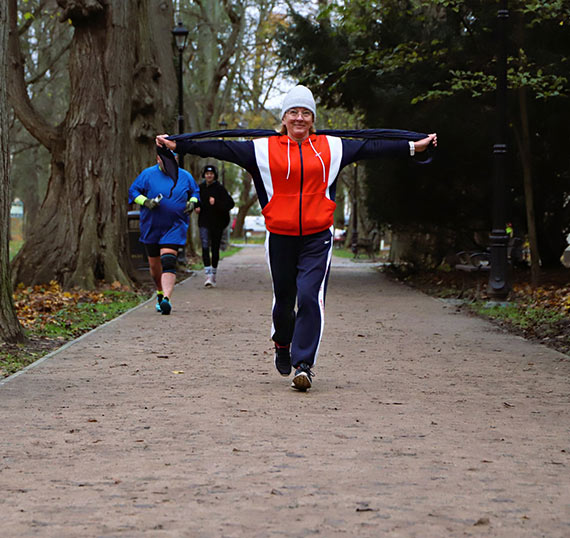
210,168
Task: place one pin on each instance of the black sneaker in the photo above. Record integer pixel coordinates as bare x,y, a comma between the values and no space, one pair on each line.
302,380
165,306
283,360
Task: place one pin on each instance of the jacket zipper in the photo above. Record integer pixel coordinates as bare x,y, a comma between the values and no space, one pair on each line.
301,193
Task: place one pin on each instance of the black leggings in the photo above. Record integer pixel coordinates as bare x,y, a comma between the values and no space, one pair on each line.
211,239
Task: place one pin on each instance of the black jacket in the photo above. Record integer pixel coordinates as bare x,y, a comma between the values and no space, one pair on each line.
217,215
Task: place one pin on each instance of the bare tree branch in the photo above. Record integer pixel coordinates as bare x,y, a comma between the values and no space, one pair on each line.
40,129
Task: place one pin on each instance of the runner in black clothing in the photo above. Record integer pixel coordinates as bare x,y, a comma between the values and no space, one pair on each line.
214,216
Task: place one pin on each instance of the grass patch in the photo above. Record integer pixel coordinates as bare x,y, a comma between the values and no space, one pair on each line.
531,321
230,251
69,323
15,247
51,317
255,240
343,253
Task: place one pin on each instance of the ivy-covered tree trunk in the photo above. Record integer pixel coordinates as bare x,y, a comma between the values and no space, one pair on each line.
80,233
10,328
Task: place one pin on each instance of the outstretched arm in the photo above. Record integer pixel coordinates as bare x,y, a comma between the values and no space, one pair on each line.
422,145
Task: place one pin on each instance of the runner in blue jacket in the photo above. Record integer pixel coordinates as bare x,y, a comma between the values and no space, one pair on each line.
165,205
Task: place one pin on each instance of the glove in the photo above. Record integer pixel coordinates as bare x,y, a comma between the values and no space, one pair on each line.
190,205
151,203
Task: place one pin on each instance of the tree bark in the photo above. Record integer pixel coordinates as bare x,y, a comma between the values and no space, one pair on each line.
80,237
245,204
10,328
154,89
523,141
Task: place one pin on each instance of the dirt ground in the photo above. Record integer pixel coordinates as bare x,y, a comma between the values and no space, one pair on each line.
422,422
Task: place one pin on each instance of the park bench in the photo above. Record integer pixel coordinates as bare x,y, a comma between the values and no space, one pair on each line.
368,245
472,263
363,245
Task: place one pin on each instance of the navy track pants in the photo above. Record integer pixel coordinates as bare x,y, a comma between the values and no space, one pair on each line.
299,268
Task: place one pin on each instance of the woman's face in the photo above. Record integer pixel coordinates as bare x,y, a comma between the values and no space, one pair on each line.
209,176
298,121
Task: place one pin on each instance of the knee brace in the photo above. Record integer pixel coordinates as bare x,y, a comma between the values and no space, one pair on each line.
168,262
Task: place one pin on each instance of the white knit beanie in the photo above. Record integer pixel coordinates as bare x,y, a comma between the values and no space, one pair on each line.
299,96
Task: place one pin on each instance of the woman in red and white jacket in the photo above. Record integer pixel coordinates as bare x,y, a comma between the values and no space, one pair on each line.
295,177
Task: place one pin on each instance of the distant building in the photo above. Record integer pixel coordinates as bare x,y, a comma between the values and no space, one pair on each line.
17,220
17,209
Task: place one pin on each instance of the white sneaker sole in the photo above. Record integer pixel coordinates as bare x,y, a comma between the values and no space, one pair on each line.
301,381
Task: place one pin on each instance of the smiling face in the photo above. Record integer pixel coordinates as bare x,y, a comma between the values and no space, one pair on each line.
209,176
298,122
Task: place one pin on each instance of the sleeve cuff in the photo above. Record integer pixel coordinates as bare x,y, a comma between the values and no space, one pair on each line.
412,148
140,199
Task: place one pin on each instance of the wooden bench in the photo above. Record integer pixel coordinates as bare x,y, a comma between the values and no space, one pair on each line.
365,245
473,263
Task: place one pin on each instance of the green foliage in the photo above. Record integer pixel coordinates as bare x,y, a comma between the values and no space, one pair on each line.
430,65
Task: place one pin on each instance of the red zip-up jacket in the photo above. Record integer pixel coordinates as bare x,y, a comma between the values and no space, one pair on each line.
295,182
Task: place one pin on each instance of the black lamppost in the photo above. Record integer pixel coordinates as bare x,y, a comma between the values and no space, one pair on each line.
180,34
222,124
354,239
498,287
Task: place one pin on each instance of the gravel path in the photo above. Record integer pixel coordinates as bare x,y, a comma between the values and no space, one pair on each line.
421,422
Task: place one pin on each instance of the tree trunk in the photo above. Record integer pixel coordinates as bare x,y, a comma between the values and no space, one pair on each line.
525,153
246,202
10,328
154,93
80,237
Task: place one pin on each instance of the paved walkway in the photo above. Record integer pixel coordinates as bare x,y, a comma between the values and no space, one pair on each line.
422,422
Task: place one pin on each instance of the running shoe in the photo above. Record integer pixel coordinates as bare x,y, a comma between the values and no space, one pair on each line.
303,378
159,298
282,360
165,306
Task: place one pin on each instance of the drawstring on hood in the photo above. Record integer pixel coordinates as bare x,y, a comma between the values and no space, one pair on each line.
288,157
320,159
318,155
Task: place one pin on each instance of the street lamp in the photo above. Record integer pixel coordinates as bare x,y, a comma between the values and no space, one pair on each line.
354,239
222,124
498,287
180,33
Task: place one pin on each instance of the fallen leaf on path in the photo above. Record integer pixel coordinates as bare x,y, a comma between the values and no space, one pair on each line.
177,371
482,521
